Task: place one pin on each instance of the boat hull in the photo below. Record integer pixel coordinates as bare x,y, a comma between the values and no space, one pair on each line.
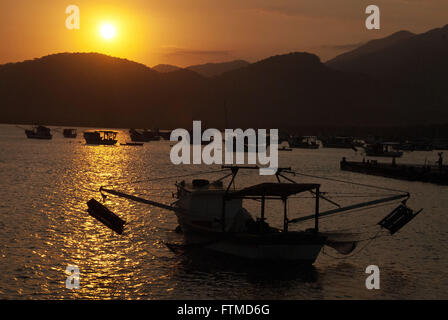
301,247
287,253
32,135
93,138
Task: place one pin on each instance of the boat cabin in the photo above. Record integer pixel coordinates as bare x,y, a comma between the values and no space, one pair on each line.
276,191
384,149
39,132
69,133
220,209
101,137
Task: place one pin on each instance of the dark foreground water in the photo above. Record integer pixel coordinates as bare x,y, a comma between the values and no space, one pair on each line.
44,227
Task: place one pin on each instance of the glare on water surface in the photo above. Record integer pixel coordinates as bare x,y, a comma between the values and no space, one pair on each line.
44,227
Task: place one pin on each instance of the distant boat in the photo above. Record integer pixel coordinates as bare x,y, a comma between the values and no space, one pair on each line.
132,144
383,149
144,136
284,149
165,135
70,133
337,142
416,146
305,142
101,137
39,132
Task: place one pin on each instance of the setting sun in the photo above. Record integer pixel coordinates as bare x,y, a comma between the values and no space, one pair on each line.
107,31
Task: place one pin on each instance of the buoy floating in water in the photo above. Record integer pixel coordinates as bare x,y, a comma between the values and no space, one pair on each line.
105,216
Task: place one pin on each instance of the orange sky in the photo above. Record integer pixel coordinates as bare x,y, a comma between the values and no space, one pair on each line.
185,32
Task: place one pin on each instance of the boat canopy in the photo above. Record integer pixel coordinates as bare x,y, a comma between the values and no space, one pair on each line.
102,131
282,190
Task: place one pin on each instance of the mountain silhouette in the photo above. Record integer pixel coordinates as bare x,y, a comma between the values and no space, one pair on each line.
296,89
210,70
283,91
345,60
164,68
91,89
414,65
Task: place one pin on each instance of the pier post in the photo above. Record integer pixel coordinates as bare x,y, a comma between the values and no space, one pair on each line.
316,214
285,216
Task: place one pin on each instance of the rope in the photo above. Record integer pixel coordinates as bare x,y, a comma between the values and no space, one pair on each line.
349,182
164,178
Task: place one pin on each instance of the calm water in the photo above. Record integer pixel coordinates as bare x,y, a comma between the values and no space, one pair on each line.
44,227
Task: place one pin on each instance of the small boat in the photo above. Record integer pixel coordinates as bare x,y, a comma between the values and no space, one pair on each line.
165,135
303,142
337,142
132,144
143,136
416,146
69,133
284,149
212,218
383,149
39,132
441,144
101,137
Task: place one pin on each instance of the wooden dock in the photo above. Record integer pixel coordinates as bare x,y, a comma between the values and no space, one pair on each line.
410,172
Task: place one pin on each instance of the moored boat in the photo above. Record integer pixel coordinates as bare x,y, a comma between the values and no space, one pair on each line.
100,137
135,144
213,218
303,142
39,132
383,149
337,142
70,133
144,135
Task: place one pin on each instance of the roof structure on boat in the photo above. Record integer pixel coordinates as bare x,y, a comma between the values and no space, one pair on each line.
105,131
274,189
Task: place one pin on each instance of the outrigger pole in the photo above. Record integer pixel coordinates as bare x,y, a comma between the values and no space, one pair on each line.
141,200
351,207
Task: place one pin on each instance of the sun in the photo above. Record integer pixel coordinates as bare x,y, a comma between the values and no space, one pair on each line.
107,31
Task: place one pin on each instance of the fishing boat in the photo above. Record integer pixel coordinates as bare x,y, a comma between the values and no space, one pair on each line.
383,149
337,142
100,137
303,142
134,144
144,135
70,133
213,218
39,132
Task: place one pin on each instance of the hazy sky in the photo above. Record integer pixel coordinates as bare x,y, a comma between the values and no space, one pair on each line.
185,32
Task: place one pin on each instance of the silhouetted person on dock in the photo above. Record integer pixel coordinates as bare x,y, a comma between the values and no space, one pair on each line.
440,161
